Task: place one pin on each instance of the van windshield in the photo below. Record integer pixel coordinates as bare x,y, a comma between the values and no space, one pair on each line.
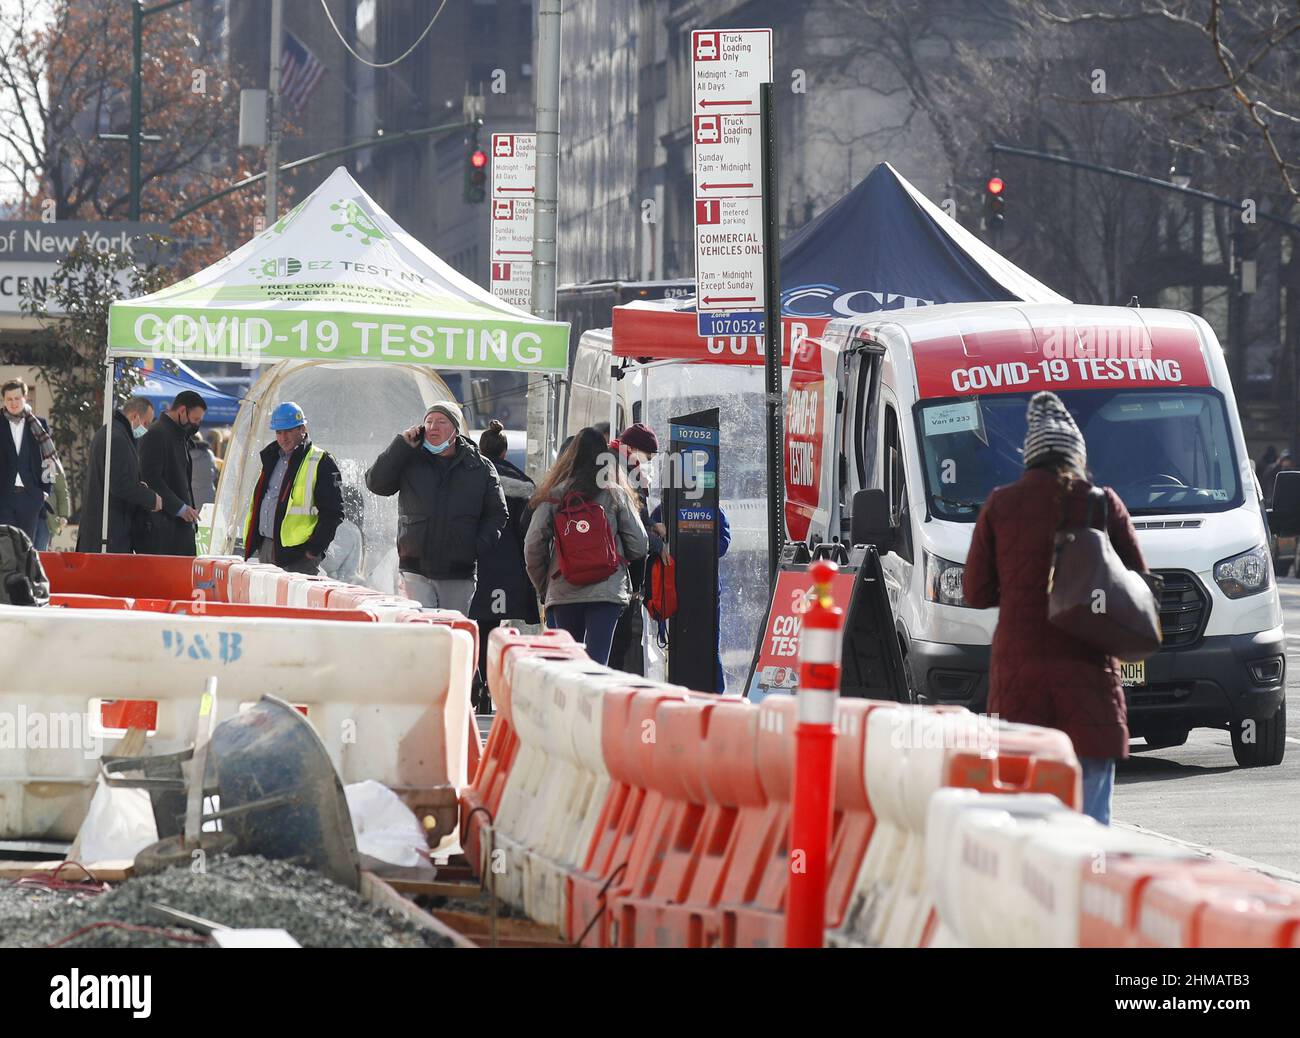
1164,450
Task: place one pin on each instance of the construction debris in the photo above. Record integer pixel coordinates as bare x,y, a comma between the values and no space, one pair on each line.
241,892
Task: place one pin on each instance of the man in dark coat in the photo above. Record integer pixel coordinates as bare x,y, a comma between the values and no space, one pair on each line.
25,479
450,507
635,450
504,591
165,466
129,500
289,533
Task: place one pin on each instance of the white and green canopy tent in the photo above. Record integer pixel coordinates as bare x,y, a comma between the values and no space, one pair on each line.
336,280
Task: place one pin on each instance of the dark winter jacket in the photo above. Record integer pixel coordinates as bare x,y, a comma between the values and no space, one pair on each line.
328,501
1039,673
165,466
130,502
25,463
504,591
450,510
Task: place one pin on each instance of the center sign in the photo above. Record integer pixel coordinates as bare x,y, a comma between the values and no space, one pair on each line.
728,68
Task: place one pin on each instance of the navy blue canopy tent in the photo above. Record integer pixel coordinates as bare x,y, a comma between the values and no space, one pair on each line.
883,246
161,387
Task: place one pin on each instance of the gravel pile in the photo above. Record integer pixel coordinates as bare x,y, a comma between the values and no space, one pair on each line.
239,892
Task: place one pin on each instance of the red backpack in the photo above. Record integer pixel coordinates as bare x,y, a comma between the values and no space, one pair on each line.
661,599
584,543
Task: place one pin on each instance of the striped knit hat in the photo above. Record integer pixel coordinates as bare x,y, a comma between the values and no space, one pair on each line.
1052,432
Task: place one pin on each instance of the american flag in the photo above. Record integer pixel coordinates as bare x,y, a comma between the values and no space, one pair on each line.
300,72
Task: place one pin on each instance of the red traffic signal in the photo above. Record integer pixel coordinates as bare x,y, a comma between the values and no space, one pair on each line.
995,186
478,159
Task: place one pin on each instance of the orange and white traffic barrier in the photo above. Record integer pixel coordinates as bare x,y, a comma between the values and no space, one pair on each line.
655,907
546,820
628,719
390,702
480,801
911,752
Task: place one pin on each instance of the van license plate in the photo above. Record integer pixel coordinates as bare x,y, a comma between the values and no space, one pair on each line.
1133,673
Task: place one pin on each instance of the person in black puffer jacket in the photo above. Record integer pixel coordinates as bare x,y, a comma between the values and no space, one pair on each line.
450,507
504,591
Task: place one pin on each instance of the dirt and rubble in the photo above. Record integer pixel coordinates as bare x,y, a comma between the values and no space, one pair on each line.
240,892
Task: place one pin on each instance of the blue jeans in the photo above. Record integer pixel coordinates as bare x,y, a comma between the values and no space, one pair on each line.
1098,783
589,622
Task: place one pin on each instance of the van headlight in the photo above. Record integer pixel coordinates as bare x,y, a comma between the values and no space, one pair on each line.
1246,574
943,581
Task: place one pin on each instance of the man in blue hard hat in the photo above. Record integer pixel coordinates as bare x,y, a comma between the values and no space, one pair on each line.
298,502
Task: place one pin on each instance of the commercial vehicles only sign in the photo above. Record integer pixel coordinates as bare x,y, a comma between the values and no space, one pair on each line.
514,182
728,66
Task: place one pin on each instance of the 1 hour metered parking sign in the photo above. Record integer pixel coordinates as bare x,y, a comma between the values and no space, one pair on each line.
514,180
728,67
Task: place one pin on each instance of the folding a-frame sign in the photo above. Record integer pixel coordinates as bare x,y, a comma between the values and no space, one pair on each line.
334,279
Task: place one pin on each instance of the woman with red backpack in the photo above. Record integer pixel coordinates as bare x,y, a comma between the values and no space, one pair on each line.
584,530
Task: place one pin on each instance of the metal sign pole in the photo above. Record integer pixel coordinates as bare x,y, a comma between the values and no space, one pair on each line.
108,451
772,340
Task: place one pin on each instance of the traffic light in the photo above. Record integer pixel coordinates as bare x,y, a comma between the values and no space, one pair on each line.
995,200
476,161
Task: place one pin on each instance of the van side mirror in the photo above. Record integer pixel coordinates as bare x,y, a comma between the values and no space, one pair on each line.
870,523
1284,516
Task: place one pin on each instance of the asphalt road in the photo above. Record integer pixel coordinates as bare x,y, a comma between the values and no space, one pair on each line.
1196,792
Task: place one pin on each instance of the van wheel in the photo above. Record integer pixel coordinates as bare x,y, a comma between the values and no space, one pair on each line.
913,696
1163,740
1268,745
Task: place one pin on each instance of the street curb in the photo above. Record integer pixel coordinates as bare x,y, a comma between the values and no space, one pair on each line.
1272,871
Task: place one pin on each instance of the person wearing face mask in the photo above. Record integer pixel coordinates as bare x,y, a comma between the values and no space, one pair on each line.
451,509
166,467
130,501
635,450
297,505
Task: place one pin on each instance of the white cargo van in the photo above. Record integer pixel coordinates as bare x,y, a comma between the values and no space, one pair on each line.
928,406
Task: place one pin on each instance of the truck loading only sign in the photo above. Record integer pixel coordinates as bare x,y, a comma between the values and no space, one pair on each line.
514,183
728,67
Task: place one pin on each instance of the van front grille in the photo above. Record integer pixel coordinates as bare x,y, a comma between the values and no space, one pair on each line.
1184,608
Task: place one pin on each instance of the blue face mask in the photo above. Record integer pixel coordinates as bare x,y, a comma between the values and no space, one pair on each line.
139,431
440,448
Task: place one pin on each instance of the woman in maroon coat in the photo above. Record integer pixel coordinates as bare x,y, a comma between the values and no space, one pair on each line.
1040,674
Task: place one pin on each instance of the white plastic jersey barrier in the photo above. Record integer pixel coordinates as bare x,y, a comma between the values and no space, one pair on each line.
1008,870
300,588
907,750
973,856
552,799
262,584
390,702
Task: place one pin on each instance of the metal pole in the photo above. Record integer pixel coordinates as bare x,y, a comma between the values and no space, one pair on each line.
545,211
108,451
772,334
273,116
1124,174
137,45
373,142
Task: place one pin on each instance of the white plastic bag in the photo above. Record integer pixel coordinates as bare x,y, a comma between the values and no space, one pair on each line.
118,825
385,827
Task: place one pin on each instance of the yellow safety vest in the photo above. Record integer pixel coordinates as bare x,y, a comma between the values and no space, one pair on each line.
300,515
